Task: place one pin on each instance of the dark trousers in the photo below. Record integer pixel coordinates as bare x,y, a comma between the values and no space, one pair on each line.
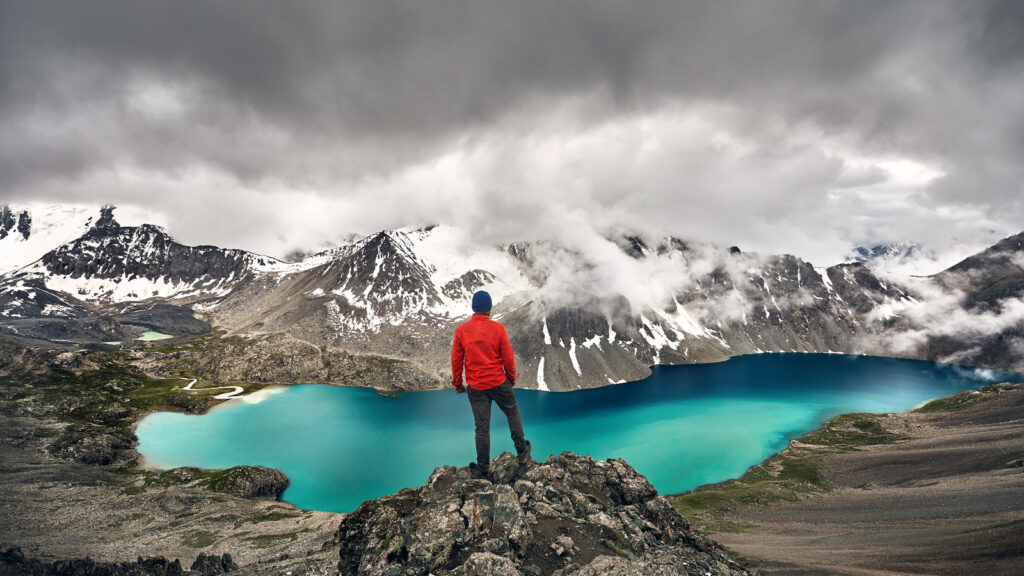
480,401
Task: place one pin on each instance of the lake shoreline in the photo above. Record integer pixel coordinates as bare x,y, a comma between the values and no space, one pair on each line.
946,498
113,501
684,427
56,508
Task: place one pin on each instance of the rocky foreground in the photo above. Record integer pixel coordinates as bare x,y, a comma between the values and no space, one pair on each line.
569,515
73,487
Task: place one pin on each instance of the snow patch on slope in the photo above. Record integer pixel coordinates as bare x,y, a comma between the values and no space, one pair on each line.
594,340
134,288
448,253
572,356
53,226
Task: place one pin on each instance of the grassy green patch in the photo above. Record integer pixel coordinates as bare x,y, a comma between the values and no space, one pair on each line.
719,525
852,431
967,398
781,478
269,517
175,476
785,477
112,395
167,396
217,480
617,543
233,518
94,396
267,540
199,539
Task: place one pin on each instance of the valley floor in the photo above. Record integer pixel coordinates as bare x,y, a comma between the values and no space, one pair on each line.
943,493
936,492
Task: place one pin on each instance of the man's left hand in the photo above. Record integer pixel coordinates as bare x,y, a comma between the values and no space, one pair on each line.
460,389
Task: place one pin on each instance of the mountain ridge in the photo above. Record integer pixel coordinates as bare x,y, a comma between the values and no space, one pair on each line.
575,319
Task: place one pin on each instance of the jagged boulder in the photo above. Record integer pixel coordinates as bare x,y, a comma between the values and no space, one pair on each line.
67,361
212,565
569,515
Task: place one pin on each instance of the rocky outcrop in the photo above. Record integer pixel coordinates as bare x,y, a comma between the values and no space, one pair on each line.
570,515
213,565
250,482
9,219
95,445
25,225
14,563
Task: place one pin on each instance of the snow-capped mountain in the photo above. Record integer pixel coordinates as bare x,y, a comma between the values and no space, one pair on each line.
577,317
26,234
908,258
111,264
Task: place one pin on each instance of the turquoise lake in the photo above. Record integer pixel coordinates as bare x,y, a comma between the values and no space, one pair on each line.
682,427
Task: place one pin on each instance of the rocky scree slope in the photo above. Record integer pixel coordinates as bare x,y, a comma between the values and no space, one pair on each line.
569,515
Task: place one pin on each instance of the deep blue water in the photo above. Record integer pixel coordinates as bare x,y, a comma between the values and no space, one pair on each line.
682,427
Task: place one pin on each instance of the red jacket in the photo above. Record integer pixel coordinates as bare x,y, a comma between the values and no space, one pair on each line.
482,345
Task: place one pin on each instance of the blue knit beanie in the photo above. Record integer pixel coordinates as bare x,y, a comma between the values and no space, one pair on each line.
481,302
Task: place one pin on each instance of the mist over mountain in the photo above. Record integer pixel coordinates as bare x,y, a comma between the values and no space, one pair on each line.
579,315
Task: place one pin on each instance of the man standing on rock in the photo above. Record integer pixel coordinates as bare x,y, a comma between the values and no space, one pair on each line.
482,346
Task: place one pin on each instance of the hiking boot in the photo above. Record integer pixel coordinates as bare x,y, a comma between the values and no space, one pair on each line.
477,472
524,456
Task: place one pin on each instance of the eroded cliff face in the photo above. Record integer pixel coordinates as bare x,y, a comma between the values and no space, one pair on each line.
569,515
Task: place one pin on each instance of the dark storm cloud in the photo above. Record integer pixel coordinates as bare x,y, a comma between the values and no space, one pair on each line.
333,97
412,67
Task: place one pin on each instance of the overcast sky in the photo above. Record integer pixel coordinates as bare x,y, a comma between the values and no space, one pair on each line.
780,126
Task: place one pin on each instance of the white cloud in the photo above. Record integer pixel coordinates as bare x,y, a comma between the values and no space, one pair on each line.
938,311
698,171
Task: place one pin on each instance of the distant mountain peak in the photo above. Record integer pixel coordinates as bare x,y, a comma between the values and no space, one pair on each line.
901,257
11,222
29,231
106,219
900,249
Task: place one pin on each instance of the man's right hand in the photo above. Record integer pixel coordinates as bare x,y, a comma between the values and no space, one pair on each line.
460,389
